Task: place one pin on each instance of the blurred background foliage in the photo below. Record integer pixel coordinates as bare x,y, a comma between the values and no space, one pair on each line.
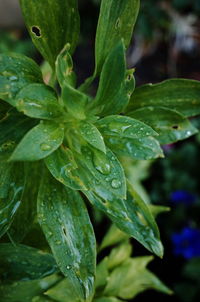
166,44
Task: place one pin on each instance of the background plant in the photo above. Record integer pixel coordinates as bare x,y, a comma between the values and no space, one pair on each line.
59,141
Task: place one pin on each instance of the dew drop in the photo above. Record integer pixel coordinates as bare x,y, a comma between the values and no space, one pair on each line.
101,163
188,133
116,183
68,267
45,147
13,78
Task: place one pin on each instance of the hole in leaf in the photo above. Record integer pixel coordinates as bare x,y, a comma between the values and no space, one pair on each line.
175,127
64,231
36,31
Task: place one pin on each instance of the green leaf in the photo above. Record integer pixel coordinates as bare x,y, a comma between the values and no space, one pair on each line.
119,254
39,142
116,22
67,227
64,68
74,101
112,76
26,214
101,275
104,171
22,262
113,236
51,25
38,101
11,189
169,124
92,135
142,148
121,99
61,292
107,299
16,71
27,291
124,127
63,167
13,126
176,94
132,278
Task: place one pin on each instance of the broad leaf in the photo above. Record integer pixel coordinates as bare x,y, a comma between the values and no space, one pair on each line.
124,127
26,214
51,25
38,101
16,71
13,126
176,94
112,77
116,22
39,142
169,124
142,148
67,227
22,262
61,292
132,278
11,189
63,167
92,135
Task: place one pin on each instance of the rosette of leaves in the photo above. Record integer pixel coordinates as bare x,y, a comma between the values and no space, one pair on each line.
56,148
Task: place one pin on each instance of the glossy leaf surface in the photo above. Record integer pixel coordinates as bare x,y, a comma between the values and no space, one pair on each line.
11,189
38,101
92,135
51,24
177,94
116,22
67,227
39,142
16,71
169,124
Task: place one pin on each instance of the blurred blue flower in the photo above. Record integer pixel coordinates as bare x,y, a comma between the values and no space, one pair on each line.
182,197
187,243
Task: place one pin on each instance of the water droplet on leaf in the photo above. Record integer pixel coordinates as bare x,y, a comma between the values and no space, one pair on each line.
45,147
116,183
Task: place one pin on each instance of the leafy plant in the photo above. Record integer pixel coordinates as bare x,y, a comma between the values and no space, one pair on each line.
62,146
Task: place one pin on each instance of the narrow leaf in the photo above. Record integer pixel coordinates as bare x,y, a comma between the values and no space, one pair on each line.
39,142
51,25
16,71
176,94
116,22
38,101
92,135
67,227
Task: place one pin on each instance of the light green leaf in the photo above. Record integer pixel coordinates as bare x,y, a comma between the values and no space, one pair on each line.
51,25
92,135
107,299
38,101
132,278
169,124
116,22
39,142
16,71
101,275
157,209
113,236
11,189
112,77
142,148
124,127
21,262
61,292
67,227
104,171
119,254
176,94
74,101
64,68
63,167
26,214
13,126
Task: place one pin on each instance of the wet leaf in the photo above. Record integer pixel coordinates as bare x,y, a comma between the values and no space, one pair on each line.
92,135
61,292
11,190
132,278
176,94
38,101
113,236
51,24
67,227
16,71
107,299
119,254
116,22
39,142
169,124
